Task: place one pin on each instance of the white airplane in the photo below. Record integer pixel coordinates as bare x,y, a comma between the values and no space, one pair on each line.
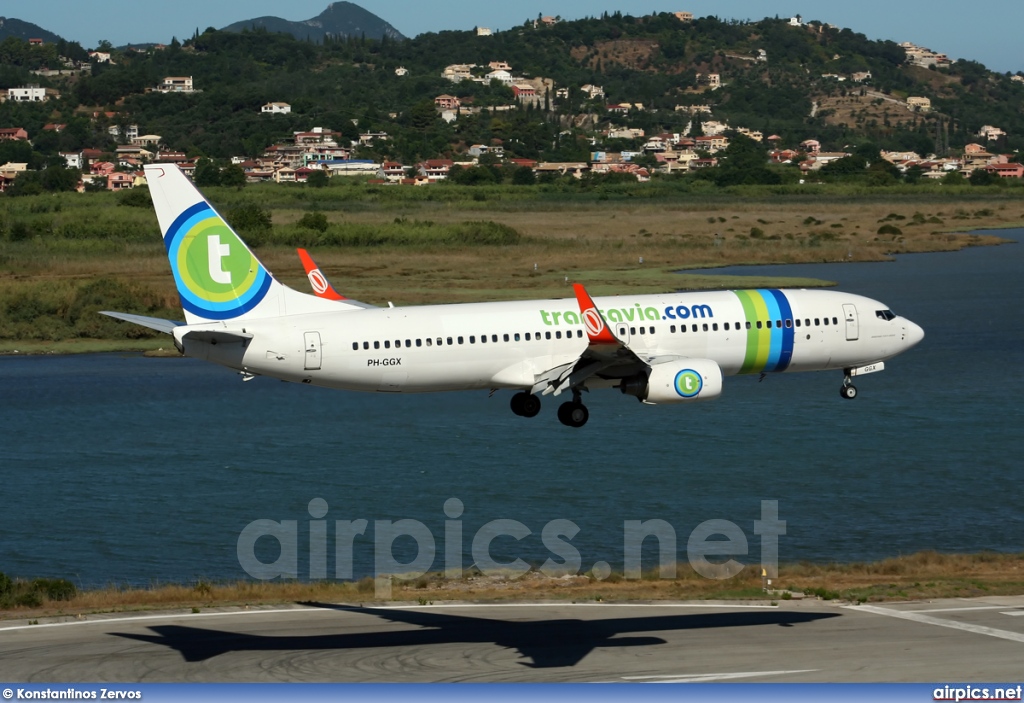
661,349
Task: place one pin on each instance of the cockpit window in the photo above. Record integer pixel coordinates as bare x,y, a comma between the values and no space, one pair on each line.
885,314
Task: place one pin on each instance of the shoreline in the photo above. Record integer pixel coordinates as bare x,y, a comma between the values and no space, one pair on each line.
920,576
159,347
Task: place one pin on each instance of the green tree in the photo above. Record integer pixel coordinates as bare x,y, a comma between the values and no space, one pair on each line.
233,176
207,174
318,179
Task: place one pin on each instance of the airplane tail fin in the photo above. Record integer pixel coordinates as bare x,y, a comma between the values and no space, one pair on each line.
217,275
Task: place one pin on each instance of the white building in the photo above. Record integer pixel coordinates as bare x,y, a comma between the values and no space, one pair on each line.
483,31
401,71
176,84
27,94
276,109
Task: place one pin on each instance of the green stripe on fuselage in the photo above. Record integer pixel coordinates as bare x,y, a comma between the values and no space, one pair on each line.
759,341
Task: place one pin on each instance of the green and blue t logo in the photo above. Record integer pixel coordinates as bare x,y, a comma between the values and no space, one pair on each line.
218,278
688,383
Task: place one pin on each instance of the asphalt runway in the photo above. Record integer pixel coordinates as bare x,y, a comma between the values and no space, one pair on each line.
952,640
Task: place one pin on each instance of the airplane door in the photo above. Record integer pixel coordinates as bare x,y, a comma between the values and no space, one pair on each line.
622,331
312,351
852,328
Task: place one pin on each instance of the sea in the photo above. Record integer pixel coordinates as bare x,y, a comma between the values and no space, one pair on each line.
121,469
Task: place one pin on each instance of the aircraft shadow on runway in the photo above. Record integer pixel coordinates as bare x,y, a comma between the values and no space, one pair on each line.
547,643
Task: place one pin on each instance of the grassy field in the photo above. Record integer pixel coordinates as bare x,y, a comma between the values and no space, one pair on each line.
924,575
64,257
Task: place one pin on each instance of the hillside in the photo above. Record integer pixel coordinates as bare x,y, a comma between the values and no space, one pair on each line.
338,21
795,81
11,27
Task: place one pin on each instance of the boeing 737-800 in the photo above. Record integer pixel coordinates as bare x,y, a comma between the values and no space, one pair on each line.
661,349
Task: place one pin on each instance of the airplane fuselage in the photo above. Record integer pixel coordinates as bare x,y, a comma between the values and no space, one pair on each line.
507,344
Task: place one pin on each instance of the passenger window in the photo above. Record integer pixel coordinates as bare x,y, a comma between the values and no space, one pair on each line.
366,345
398,344
651,330
408,343
672,329
387,343
835,321
429,341
694,326
505,336
789,324
825,320
726,326
705,327
759,325
632,330
748,324
517,336
778,324
579,333
472,339
449,341
817,322
527,336
355,346
441,341
494,338
558,334
807,322
419,342
376,345
798,322
643,330
547,335
460,340
714,326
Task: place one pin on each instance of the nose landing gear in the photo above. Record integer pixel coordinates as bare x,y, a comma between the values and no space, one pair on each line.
848,390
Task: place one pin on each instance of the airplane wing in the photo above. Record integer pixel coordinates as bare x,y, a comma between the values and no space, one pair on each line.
604,352
322,288
156,323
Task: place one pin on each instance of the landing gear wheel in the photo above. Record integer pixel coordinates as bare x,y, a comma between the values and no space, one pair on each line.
848,391
525,404
573,414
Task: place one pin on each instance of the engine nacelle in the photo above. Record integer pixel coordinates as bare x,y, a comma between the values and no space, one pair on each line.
681,381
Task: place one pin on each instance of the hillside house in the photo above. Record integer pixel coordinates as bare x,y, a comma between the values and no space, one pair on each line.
684,16
919,104
435,169
29,94
446,102
1006,170
401,71
501,76
276,109
72,159
499,66
483,31
176,84
120,181
13,134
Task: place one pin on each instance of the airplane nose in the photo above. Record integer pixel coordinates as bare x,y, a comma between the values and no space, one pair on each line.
913,333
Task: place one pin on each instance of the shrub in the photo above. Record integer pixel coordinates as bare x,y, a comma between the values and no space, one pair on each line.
889,229
55,589
5,584
135,197
314,220
249,217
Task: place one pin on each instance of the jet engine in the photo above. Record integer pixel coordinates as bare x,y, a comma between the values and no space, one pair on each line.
681,381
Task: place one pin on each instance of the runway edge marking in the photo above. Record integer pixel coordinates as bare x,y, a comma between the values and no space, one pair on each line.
916,616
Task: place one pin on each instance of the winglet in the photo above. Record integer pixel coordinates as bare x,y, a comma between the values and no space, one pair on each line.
597,331
321,286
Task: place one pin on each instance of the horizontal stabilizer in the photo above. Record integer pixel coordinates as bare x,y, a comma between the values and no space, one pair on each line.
155,323
217,336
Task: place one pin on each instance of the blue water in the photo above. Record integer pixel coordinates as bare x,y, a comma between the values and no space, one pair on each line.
118,468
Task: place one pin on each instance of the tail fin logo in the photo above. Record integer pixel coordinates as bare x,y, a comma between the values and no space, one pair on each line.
218,277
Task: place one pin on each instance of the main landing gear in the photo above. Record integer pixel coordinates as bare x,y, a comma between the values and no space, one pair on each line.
572,414
848,390
525,404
